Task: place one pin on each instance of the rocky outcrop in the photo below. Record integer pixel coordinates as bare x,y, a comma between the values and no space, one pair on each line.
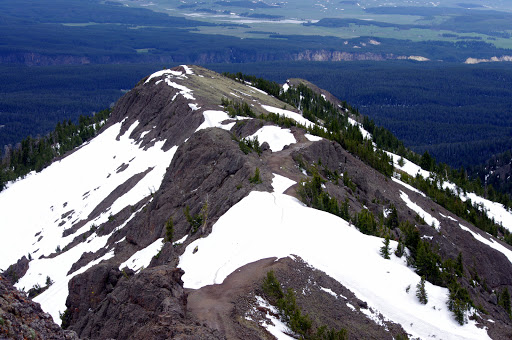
21,318
233,306
150,305
17,270
225,56
325,55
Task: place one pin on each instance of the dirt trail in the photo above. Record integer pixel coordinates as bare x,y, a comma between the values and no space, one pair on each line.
281,162
215,305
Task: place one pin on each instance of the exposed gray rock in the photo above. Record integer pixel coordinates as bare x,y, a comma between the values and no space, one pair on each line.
17,270
21,318
149,305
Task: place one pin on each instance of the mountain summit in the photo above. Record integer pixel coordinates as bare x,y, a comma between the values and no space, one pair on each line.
213,207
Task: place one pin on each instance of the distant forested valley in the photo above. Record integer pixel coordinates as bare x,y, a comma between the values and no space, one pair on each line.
60,59
460,114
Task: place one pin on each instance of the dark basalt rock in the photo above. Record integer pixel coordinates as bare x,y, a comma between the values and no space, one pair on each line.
17,270
21,318
88,289
149,305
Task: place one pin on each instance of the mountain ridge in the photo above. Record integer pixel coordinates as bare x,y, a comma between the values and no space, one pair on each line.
179,159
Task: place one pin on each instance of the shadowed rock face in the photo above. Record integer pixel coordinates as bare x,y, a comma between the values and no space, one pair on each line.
21,318
17,270
150,305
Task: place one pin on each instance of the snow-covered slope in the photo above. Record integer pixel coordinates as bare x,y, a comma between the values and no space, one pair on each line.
493,209
66,193
346,254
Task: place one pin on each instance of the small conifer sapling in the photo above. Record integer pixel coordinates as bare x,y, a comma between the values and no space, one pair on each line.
169,230
384,250
421,292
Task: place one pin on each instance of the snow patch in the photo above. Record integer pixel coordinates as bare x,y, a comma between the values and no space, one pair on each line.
277,328
290,114
184,91
490,242
281,183
448,217
257,89
328,291
429,219
194,106
188,70
366,134
181,240
276,137
410,187
408,167
493,209
162,73
312,138
213,118
142,258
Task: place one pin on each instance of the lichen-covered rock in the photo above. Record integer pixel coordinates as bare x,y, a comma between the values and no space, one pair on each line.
21,318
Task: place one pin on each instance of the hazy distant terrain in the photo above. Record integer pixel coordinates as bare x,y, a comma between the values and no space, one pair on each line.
452,21
88,53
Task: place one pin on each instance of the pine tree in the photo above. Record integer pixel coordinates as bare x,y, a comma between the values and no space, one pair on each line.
256,179
505,300
169,230
392,221
421,293
459,266
400,249
384,250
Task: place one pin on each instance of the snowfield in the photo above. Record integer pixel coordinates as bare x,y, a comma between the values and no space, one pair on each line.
44,204
290,114
347,255
276,137
142,258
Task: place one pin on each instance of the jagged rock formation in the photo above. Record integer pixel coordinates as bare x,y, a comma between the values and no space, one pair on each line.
148,306
21,318
118,274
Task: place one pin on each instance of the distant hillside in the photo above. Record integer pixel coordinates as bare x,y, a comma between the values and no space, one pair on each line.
495,174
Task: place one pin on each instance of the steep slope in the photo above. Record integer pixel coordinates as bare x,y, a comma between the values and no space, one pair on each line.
167,222
21,318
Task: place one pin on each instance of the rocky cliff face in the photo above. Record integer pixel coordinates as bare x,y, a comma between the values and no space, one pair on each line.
21,318
175,233
228,56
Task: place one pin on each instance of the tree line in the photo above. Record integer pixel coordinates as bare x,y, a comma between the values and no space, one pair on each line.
34,154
